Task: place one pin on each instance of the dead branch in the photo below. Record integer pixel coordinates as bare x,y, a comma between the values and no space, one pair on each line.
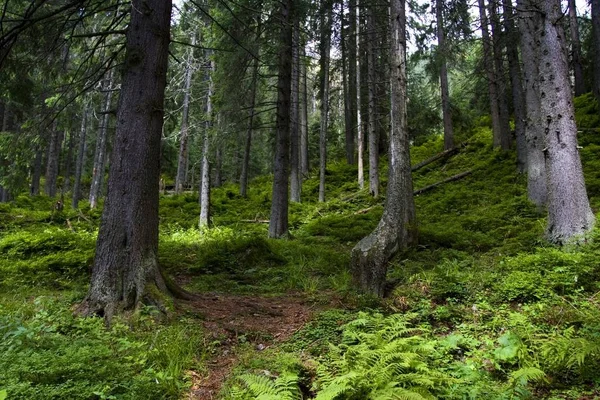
451,179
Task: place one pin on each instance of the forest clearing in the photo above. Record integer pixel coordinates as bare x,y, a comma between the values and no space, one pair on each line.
330,200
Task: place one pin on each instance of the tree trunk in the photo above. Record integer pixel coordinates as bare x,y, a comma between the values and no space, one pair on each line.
442,52
182,160
569,212
576,50
537,189
516,80
37,172
6,117
53,161
372,90
499,73
101,144
370,257
80,156
360,137
596,42
68,165
304,166
248,143
295,175
326,23
491,76
125,272
352,88
278,223
205,182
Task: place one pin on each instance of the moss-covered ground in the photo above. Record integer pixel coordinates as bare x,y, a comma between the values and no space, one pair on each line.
482,308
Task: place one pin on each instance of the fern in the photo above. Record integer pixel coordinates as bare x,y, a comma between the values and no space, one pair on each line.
261,387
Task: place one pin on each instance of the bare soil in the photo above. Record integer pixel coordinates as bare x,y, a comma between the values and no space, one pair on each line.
229,320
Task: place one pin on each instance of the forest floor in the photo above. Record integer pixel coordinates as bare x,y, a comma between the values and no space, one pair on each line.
259,322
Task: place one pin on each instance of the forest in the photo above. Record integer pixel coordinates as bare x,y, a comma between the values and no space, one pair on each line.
309,199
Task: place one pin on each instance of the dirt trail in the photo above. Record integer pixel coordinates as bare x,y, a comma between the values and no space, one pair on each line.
228,319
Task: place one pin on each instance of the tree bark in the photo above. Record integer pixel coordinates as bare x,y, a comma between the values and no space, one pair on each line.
101,144
182,160
80,156
295,174
278,225
248,142
68,166
360,137
351,133
596,41
205,182
125,272
372,92
576,50
442,52
53,160
37,172
529,24
516,80
569,212
326,24
304,165
396,229
488,56
500,76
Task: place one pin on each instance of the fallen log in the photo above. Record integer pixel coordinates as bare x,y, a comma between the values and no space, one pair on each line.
451,179
438,156
256,221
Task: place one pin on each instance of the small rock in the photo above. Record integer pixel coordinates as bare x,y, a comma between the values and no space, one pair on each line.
261,347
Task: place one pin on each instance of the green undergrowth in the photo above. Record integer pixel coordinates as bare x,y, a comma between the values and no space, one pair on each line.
481,308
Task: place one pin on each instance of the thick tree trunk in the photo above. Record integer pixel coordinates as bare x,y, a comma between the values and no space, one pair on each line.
80,157
205,182
295,175
53,160
125,272
442,52
516,80
576,50
37,172
304,166
529,24
101,145
278,223
499,73
596,41
372,90
326,23
569,212
183,157
488,58
370,257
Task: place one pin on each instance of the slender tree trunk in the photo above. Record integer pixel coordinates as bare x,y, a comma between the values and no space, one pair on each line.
101,144
326,23
125,272
596,42
68,165
205,182
53,161
278,224
37,172
248,143
80,156
360,139
182,160
295,174
352,87
576,50
372,90
569,212
6,117
516,80
304,166
488,59
499,72
442,52
529,24
395,231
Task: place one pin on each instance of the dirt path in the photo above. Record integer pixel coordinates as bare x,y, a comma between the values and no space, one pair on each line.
229,320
